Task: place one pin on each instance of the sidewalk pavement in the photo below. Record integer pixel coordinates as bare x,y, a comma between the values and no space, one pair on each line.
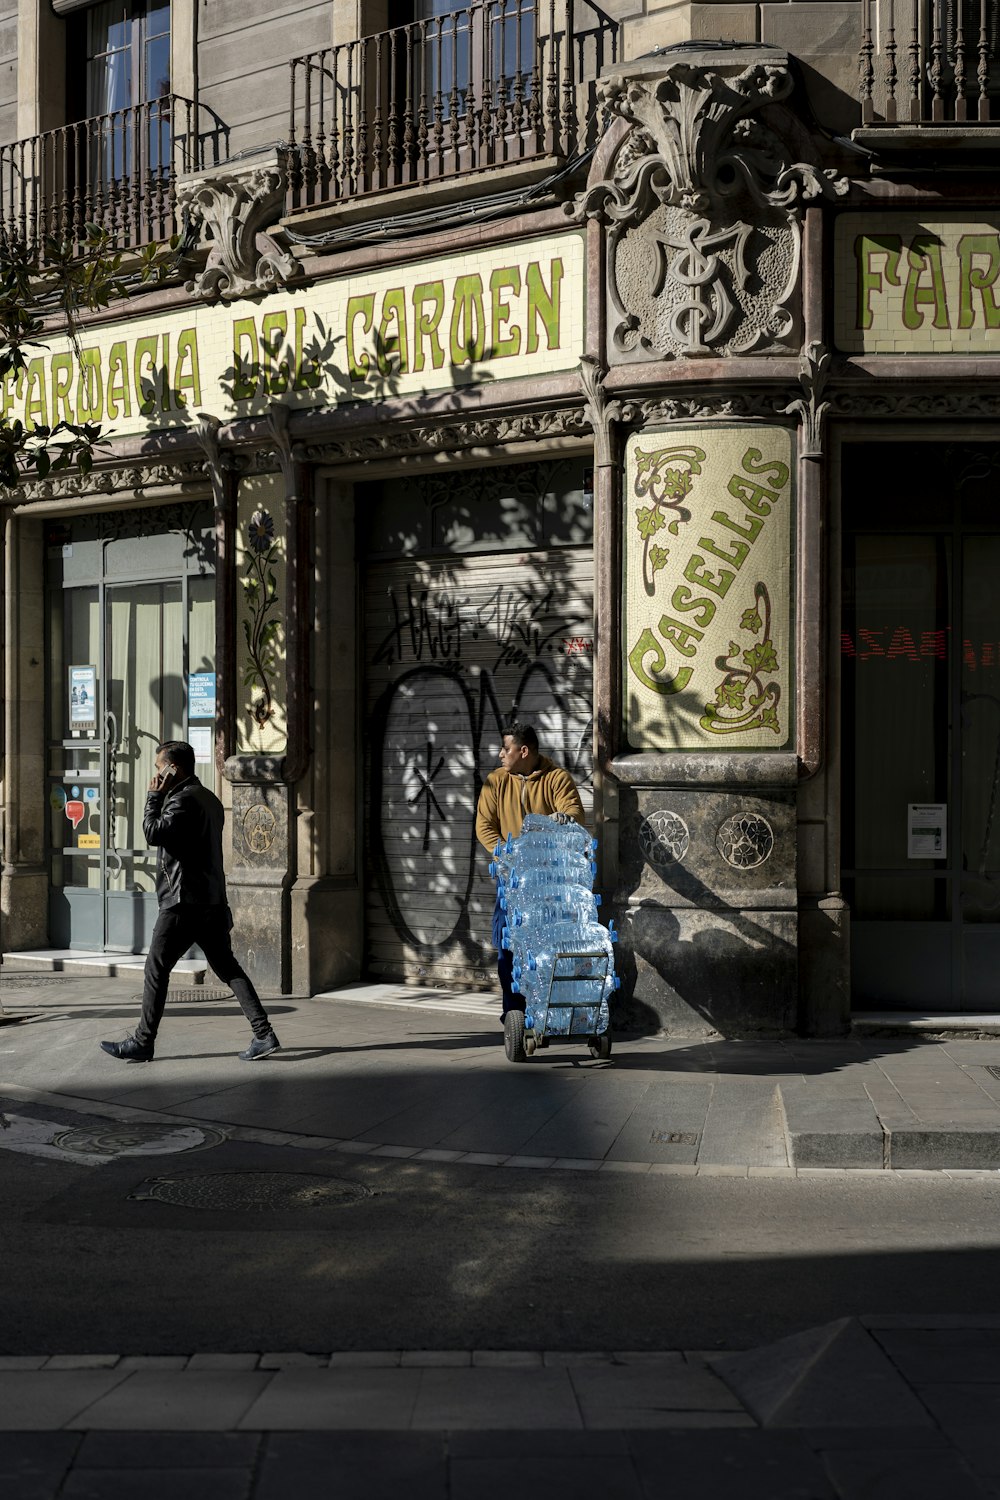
361,1071
886,1407
858,1409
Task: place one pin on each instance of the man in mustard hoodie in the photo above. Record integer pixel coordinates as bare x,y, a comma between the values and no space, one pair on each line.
524,782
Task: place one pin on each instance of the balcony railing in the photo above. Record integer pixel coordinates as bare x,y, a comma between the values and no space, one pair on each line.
117,171
929,62
497,82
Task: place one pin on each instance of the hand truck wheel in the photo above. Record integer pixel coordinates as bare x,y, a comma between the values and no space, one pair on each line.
513,1036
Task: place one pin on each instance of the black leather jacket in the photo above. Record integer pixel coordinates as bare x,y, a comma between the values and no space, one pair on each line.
184,824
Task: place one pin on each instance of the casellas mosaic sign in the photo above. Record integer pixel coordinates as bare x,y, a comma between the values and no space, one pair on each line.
707,557
422,327
906,284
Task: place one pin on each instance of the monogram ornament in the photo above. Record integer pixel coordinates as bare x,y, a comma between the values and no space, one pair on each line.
704,206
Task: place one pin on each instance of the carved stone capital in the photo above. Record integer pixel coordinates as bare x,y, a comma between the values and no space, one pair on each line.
600,411
206,430
276,420
810,406
706,406
239,205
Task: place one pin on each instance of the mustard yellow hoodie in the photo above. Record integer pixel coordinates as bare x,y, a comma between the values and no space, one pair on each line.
506,797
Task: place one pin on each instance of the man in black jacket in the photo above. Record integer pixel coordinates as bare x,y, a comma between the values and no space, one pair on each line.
183,820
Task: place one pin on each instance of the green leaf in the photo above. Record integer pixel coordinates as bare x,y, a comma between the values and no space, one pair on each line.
676,483
658,558
648,521
730,694
761,658
751,620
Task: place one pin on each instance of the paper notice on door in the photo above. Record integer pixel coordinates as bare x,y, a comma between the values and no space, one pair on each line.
200,740
927,830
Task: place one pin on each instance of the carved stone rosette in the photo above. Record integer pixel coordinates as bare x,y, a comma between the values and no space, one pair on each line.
239,205
704,206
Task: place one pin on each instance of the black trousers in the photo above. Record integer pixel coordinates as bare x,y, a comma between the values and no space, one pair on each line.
177,927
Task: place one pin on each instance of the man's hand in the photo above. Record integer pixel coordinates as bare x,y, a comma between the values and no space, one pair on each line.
161,779
562,818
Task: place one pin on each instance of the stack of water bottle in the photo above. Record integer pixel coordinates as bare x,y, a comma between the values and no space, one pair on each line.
563,956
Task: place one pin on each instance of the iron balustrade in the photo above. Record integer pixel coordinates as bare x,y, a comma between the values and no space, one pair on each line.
117,171
496,82
929,62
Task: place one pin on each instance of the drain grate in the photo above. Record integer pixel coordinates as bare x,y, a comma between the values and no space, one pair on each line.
252,1192
33,981
993,1070
199,992
674,1138
137,1139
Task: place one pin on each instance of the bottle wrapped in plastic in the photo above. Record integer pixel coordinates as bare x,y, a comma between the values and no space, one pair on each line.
567,909
566,835
563,960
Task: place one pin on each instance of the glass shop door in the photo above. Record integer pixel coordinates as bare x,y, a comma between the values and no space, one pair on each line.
921,727
133,646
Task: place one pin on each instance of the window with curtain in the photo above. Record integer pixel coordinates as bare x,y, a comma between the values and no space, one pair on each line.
128,85
485,50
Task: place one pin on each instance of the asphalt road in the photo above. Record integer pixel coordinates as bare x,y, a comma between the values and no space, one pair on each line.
458,1256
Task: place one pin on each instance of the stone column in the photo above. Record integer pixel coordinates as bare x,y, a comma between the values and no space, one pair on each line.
708,708
25,879
326,897
259,557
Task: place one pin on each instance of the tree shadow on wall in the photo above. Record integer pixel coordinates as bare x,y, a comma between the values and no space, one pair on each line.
691,929
461,647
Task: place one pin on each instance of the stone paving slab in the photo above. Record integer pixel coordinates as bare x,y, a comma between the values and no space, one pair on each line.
44,1401
165,1400
545,1424
397,1079
299,1400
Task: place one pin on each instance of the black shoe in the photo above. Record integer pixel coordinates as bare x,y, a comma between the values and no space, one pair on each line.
261,1046
130,1050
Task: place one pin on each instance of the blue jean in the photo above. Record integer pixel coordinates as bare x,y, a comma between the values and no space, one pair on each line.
505,962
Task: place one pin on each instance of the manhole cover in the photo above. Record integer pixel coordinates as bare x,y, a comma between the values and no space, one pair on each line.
252,1192
136,1140
674,1138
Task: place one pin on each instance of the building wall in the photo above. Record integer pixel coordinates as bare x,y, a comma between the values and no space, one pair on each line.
244,49
709,942
8,71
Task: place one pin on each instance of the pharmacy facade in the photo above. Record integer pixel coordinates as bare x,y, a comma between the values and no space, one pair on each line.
693,470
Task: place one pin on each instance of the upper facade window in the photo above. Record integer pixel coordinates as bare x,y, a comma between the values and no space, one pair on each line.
128,54
127,87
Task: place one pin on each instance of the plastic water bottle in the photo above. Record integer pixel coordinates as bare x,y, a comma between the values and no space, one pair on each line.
558,911
571,835
534,881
